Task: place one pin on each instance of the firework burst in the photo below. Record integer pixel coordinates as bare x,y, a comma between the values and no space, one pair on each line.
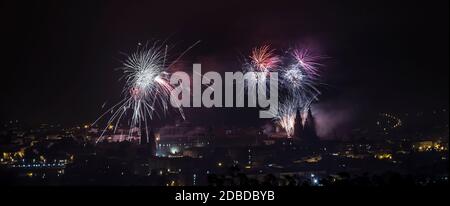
146,90
308,61
261,62
299,77
263,59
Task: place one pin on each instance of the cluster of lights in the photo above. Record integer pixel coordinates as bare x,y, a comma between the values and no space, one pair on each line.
397,122
433,147
384,156
39,165
8,157
315,180
249,157
183,144
172,183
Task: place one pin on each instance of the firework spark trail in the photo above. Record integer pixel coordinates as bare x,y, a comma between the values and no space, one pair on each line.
287,114
306,106
147,88
288,110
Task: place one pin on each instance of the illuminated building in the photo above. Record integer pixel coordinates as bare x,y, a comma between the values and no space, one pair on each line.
175,140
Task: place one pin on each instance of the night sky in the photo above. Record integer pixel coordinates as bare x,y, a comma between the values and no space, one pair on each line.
59,58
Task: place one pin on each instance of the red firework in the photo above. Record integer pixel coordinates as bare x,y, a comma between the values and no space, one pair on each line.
264,58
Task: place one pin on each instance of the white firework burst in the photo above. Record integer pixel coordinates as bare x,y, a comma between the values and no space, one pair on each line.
147,89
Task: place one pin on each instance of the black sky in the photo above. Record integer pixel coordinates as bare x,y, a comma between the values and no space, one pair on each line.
59,56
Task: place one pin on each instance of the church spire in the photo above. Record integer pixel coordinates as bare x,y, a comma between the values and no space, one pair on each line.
310,120
298,127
